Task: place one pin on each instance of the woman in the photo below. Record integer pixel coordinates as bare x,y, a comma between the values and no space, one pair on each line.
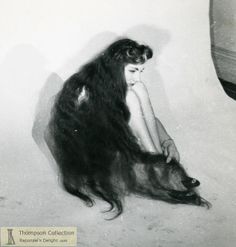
143,122
106,139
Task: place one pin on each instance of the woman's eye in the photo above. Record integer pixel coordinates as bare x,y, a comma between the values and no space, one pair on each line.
132,71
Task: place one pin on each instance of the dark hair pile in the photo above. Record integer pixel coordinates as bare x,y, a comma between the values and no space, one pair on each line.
93,145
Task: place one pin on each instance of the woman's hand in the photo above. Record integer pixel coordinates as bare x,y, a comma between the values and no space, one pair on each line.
170,151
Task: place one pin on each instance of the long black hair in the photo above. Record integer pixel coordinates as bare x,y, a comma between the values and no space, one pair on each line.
93,145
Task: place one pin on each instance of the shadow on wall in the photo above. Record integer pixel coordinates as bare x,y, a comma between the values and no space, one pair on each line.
22,72
155,38
43,111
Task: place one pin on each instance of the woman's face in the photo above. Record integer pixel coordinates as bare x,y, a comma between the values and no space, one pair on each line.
133,73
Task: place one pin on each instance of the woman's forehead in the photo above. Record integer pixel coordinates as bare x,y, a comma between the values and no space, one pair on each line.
135,66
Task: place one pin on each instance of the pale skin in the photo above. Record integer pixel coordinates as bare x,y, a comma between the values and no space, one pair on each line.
148,129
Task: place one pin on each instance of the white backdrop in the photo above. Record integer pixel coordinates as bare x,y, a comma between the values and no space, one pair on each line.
43,42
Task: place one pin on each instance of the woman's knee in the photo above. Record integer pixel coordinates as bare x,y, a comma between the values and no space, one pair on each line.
133,101
141,91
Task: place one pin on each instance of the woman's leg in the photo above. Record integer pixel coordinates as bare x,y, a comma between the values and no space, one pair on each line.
149,115
137,122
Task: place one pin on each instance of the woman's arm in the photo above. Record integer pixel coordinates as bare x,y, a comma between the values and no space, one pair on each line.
167,143
163,135
149,115
158,133
137,122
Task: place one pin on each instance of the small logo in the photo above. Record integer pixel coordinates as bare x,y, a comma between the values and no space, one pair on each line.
38,236
11,240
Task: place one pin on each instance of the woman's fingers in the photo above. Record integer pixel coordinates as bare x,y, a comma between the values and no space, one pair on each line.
169,158
166,151
172,153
